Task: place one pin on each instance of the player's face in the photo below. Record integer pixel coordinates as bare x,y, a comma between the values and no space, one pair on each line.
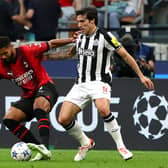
85,25
7,54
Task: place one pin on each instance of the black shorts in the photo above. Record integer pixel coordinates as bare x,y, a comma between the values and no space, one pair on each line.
26,104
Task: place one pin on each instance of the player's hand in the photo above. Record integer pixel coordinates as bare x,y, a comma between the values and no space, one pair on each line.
147,82
75,35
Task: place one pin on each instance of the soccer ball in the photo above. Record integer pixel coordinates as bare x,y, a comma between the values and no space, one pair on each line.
21,152
151,115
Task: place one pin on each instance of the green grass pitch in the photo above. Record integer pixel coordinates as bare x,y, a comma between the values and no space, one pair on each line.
95,159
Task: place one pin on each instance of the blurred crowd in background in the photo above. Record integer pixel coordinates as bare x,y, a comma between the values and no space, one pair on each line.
42,20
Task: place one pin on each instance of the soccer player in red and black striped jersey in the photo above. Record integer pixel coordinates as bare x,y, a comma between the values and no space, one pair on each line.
23,66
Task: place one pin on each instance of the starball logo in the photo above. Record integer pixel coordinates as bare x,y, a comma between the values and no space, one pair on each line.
151,115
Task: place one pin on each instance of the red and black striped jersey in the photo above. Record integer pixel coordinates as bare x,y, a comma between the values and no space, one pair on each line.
27,71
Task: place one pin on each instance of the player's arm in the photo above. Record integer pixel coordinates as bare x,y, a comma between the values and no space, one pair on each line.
63,54
132,63
59,42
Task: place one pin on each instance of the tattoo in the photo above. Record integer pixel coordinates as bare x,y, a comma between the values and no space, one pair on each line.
63,54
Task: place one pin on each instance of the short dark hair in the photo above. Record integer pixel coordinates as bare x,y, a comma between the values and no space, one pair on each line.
90,12
4,41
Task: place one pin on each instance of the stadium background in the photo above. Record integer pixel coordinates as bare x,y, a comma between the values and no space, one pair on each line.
124,94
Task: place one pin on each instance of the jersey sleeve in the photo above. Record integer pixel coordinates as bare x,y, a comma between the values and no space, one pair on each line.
36,49
111,42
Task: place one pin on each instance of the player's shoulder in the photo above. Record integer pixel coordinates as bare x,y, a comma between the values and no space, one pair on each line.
104,31
32,46
108,35
110,38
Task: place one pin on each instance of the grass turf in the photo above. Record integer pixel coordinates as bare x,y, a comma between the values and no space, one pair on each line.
95,159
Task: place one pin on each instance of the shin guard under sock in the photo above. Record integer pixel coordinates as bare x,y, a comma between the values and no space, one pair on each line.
76,132
20,131
43,125
114,130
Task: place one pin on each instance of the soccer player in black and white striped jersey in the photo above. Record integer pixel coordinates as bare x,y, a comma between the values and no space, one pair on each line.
94,48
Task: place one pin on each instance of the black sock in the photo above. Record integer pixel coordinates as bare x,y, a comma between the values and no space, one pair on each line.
70,125
109,118
43,125
20,131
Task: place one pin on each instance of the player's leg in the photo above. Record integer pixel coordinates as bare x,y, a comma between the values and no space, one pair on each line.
66,119
41,110
112,126
42,106
12,121
45,99
73,103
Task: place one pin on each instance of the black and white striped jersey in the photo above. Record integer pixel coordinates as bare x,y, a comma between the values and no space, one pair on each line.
94,54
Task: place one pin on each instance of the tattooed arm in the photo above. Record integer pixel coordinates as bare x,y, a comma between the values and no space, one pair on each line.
63,54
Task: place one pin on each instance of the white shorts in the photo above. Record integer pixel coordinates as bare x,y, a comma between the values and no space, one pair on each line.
81,94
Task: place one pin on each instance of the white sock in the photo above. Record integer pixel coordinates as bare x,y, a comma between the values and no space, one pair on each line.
114,130
77,133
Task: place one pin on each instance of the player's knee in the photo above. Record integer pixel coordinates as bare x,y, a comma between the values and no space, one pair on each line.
66,123
63,121
103,112
60,120
41,103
